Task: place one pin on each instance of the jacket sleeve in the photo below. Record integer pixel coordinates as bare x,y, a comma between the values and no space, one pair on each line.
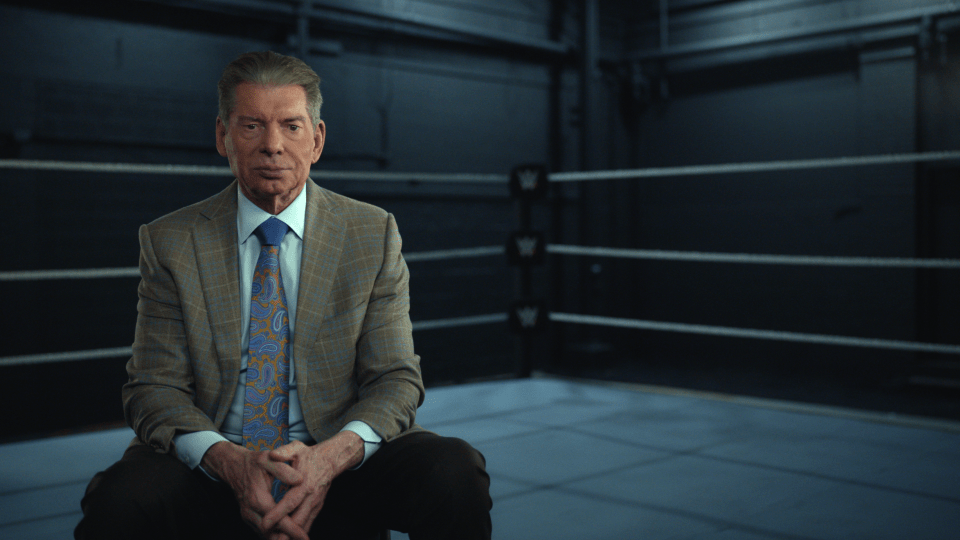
389,387
159,398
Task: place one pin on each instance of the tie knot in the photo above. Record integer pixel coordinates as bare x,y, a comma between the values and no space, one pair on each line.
271,232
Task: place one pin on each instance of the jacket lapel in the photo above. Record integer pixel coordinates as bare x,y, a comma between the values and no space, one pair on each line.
215,241
323,237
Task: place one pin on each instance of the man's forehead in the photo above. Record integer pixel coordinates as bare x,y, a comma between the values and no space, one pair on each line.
289,99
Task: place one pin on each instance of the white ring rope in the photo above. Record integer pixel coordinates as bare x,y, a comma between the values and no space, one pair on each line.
207,170
198,170
453,254
115,352
562,249
135,168
777,335
43,358
748,258
460,321
655,172
87,273
722,331
763,166
133,271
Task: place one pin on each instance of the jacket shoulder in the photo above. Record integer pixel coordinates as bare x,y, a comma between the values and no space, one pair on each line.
184,218
351,210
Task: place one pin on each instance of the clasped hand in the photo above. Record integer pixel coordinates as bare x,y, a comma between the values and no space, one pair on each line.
306,470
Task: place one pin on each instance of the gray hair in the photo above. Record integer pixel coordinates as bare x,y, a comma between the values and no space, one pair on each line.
268,68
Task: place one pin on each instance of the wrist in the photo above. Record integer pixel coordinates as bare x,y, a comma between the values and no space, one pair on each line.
349,450
222,458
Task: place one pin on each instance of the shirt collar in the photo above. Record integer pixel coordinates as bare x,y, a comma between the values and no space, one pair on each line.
250,216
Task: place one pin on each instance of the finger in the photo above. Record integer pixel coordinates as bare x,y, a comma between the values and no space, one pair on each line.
253,519
287,474
290,502
259,504
295,498
307,513
292,529
287,452
260,497
280,469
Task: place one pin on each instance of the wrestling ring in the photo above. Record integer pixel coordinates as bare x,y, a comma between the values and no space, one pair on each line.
527,246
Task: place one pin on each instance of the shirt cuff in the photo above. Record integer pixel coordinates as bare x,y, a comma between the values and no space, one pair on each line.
192,446
371,441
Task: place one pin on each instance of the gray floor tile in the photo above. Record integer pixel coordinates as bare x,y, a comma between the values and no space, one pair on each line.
504,487
484,429
846,512
925,472
674,430
735,534
713,490
41,503
770,420
830,457
49,462
578,392
903,463
564,414
56,528
458,403
562,516
570,460
557,456
903,436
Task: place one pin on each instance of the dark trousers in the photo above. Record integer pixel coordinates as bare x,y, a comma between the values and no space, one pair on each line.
429,486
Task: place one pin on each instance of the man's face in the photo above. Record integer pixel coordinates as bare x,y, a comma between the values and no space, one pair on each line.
270,143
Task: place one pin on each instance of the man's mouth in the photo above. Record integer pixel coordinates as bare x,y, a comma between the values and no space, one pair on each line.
271,172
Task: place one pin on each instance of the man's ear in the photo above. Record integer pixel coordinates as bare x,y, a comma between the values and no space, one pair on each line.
221,137
319,136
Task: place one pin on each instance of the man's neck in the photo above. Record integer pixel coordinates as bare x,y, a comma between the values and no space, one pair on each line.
272,204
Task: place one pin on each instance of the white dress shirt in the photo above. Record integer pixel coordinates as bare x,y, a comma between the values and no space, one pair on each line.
191,447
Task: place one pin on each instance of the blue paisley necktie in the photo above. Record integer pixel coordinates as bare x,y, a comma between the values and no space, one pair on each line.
266,409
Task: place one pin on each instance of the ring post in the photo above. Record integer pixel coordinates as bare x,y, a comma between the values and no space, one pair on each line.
528,316
526,248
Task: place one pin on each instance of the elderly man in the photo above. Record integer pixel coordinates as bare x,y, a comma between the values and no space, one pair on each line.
273,385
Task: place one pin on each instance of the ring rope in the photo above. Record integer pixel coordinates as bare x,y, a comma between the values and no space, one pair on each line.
86,273
195,170
725,331
722,331
763,166
460,321
453,254
43,358
747,258
133,271
115,352
691,170
209,170
562,249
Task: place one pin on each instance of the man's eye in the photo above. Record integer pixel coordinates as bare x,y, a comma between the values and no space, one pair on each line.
251,126
294,128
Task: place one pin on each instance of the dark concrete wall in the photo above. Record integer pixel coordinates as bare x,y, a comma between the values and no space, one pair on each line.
116,87
135,82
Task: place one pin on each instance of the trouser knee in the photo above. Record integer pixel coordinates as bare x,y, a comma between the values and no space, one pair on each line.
460,479
144,495
112,510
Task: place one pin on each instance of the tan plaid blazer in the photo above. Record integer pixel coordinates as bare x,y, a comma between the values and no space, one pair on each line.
353,346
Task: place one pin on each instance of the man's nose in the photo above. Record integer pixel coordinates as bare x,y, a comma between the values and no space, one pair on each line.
272,142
